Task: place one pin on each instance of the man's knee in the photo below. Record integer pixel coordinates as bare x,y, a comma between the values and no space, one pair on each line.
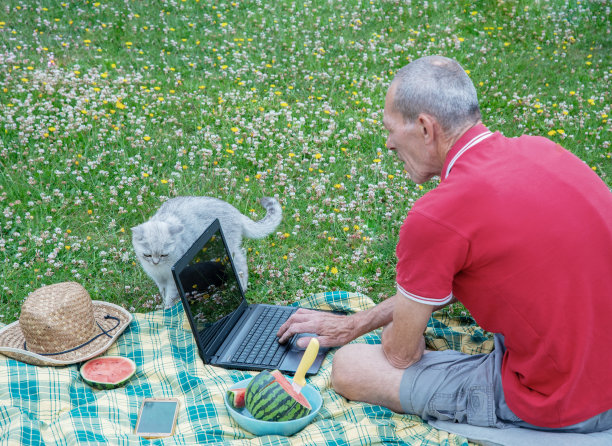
342,372
360,372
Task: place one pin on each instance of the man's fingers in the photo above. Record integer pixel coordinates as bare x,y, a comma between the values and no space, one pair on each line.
300,327
304,341
324,341
299,316
332,330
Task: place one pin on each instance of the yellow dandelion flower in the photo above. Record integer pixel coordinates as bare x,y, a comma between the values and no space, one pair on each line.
234,129
334,270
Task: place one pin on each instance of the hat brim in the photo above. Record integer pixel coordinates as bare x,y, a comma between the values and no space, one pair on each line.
12,339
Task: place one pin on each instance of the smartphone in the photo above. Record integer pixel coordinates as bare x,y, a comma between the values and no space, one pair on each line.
157,417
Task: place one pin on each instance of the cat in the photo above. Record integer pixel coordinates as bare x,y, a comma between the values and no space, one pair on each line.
170,232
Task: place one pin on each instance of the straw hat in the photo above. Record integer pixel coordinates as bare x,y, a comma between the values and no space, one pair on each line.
60,324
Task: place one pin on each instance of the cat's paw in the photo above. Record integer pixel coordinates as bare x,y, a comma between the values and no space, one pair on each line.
169,303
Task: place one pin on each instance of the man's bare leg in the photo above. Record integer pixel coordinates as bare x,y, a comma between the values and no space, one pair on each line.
361,372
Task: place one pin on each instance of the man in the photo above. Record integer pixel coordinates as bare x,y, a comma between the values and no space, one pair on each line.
520,231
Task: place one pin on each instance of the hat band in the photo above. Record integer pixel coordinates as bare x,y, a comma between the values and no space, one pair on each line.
104,332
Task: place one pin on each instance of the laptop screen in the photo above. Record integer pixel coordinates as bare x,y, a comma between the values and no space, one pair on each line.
209,285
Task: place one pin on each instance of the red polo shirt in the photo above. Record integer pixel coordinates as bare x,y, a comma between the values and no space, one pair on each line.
520,231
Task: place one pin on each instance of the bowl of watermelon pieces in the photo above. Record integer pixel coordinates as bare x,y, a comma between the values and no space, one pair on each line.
277,410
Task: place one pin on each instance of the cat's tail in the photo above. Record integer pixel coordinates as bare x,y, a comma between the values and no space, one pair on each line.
265,226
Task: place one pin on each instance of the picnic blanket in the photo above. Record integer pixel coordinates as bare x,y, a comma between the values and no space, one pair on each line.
53,406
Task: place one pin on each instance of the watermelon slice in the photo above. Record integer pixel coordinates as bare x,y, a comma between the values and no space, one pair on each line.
236,397
108,372
286,385
270,397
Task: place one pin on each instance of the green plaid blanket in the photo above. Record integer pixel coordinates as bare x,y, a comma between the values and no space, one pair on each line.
53,406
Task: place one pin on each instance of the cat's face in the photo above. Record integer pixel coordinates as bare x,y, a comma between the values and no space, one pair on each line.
155,243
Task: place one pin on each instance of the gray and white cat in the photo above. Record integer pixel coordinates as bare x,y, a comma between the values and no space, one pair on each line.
167,235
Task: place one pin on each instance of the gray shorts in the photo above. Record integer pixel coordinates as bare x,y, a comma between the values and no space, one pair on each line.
452,386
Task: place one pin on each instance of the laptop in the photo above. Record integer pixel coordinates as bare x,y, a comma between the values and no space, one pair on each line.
228,331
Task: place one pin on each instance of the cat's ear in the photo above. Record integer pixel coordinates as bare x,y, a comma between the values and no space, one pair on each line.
175,229
137,232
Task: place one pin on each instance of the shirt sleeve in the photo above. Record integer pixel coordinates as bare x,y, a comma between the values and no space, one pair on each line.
429,254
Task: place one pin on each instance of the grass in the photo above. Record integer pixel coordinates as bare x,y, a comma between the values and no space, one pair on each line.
109,108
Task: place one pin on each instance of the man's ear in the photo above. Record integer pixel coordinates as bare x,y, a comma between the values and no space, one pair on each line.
428,127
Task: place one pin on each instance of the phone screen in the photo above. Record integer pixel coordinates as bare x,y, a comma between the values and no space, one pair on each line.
157,417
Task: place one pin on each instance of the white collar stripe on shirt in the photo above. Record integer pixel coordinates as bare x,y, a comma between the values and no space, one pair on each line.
424,300
469,145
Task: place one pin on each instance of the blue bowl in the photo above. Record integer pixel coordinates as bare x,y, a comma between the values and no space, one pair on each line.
285,428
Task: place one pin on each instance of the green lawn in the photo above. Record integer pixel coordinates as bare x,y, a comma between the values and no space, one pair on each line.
108,108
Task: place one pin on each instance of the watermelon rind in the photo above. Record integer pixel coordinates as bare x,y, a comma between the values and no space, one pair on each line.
105,385
267,400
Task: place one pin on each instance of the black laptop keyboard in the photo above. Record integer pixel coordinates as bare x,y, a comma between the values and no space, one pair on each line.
261,347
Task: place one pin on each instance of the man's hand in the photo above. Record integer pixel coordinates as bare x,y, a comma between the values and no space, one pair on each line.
333,330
